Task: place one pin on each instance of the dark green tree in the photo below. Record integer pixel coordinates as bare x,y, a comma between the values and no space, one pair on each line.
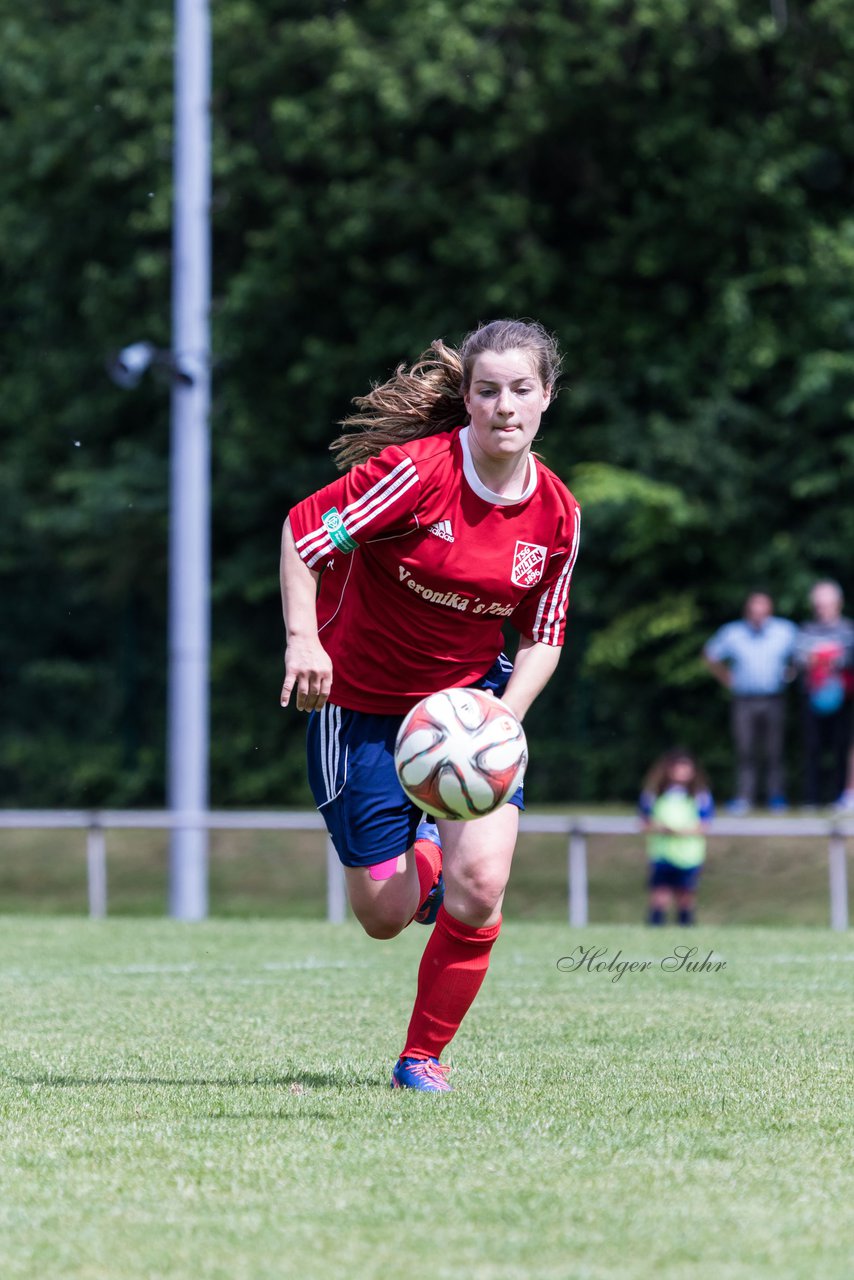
667,185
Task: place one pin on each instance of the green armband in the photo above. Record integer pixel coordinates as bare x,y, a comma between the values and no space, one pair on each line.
334,525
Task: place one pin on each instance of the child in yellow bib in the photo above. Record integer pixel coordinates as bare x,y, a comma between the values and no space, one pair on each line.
676,807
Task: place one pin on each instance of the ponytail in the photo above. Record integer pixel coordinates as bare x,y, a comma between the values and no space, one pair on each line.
416,402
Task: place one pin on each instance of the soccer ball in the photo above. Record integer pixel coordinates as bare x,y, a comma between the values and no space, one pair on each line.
460,753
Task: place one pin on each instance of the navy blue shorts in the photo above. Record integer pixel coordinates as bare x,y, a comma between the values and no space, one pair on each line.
663,875
354,783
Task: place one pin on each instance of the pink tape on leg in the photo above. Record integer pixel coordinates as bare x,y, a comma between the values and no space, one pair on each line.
384,870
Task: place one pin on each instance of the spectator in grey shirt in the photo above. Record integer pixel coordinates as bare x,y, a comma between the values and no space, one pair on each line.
825,660
753,659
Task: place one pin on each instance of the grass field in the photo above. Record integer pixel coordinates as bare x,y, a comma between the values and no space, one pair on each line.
211,1102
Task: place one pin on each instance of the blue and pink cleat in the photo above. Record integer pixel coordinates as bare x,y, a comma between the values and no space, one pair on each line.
426,1075
429,909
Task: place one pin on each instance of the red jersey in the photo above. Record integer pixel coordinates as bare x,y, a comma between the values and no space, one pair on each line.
421,564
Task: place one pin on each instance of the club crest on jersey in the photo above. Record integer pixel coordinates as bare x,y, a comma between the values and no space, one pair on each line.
529,560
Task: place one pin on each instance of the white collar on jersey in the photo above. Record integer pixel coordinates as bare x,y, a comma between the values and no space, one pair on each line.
480,488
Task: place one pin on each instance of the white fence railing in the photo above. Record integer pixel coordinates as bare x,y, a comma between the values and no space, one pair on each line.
576,828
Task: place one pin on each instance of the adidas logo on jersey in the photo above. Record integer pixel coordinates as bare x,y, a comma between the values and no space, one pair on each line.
442,529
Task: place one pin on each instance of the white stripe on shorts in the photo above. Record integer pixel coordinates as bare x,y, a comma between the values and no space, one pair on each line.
330,747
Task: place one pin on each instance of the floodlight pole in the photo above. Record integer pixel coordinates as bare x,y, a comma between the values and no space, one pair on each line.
779,11
189,529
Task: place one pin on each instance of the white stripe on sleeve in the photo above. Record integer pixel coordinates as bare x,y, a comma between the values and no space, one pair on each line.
316,544
378,499
553,602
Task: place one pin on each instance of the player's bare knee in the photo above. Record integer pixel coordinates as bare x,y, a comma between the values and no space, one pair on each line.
380,925
481,892
382,931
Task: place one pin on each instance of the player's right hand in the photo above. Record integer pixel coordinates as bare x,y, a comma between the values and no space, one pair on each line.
308,669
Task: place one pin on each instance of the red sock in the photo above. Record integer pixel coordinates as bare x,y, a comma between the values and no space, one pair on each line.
452,969
428,864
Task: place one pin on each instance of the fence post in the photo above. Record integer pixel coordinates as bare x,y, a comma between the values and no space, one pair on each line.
838,881
96,867
577,867
336,889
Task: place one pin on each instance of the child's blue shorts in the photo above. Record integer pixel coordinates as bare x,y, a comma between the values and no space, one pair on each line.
353,780
664,875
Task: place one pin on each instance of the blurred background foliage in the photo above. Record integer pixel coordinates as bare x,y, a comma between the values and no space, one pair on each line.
668,185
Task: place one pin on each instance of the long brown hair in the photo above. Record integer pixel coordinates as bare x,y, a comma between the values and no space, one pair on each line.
428,397
658,778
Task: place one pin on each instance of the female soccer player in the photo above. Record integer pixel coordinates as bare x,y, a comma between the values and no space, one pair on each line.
444,526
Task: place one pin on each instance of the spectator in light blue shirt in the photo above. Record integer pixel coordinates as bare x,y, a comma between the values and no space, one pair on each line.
753,659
